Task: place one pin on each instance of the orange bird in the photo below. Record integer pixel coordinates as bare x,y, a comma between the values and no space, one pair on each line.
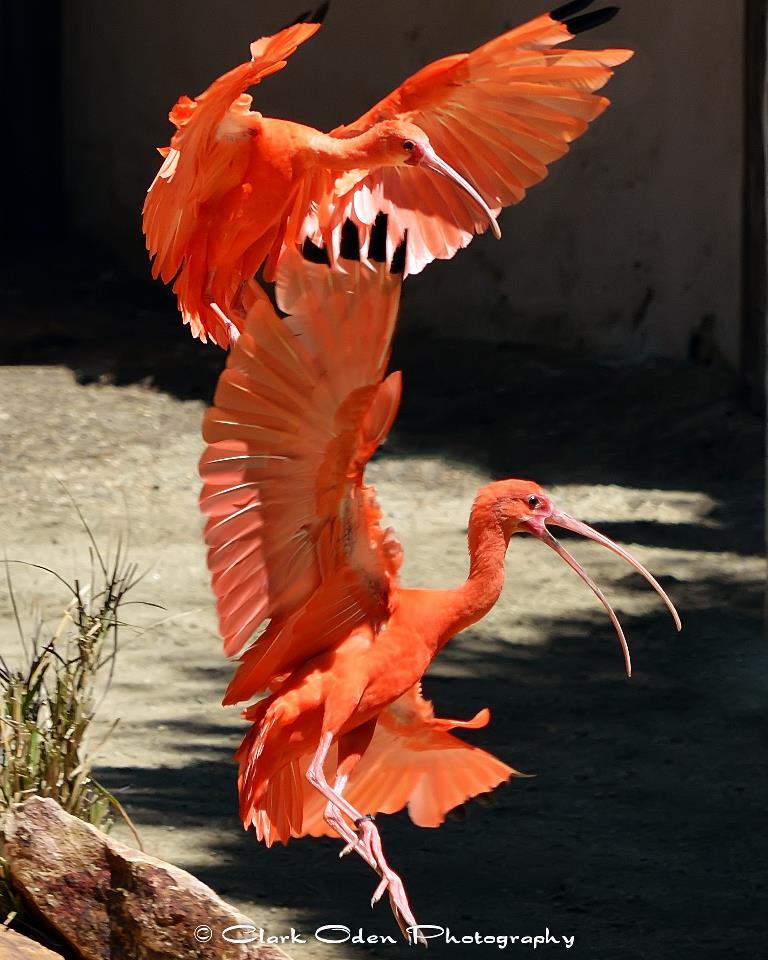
294,536
442,154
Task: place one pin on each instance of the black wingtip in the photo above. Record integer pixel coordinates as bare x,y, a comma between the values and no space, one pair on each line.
377,245
398,258
570,9
349,248
302,18
315,254
312,16
589,20
320,13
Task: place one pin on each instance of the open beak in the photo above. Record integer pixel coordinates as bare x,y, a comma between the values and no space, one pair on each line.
428,158
537,527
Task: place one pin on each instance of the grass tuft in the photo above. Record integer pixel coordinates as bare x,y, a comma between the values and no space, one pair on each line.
49,702
47,705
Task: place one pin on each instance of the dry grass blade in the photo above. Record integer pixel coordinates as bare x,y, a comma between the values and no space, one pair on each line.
48,705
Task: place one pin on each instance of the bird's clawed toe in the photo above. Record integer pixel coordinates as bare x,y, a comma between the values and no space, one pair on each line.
369,842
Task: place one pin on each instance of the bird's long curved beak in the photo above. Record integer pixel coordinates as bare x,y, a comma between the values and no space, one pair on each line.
428,158
537,527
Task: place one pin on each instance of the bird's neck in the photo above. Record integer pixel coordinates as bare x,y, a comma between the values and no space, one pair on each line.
343,153
471,601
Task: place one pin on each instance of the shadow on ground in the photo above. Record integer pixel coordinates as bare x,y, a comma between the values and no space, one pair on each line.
518,411
641,833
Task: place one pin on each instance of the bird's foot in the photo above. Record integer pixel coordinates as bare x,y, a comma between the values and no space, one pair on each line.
369,844
355,841
231,332
334,819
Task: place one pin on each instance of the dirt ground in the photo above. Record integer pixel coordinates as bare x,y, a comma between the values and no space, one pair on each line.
642,834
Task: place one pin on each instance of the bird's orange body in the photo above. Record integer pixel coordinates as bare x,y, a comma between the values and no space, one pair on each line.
441,156
294,537
346,688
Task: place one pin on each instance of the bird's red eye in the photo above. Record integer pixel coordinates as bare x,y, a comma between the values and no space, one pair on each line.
533,502
408,145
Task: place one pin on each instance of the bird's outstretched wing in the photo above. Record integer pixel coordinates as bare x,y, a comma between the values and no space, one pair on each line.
414,761
207,159
499,115
292,531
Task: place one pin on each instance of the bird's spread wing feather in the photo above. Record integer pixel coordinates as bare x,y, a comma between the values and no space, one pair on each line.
292,531
207,159
415,761
500,115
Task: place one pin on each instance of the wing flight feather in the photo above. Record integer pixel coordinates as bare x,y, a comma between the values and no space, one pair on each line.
500,115
293,534
207,160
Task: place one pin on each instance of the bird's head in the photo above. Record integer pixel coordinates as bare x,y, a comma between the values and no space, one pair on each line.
521,506
399,143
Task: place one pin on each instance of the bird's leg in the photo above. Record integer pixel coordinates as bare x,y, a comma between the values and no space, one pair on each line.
351,748
367,843
371,842
334,819
232,332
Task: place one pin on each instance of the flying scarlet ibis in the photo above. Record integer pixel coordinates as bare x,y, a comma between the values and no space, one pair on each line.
294,537
442,154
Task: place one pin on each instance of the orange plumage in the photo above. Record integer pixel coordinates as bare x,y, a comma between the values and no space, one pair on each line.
294,538
442,154
413,761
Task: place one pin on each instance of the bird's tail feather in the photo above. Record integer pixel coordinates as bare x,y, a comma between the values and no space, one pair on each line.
416,764
413,761
271,791
277,814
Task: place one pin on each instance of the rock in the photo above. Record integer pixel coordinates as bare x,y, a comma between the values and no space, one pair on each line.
15,947
111,902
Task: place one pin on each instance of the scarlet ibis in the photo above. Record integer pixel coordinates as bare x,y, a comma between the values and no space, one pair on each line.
442,154
294,536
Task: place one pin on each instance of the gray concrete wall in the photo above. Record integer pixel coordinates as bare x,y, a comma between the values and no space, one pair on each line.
631,244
